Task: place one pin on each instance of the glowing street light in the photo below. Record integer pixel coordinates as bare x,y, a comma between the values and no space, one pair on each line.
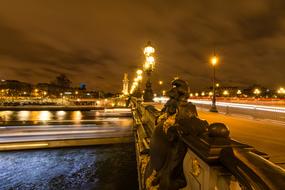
139,72
256,91
239,92
281,90
160,82
148,50
214,61
226,93
148,67
136,88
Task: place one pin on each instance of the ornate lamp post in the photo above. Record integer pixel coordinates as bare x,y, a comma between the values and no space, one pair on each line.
214,61
148,68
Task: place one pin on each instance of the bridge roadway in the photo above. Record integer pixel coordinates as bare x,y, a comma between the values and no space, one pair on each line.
100,130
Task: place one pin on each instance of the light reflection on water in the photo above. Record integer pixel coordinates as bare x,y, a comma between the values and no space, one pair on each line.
22,118
76,116
5,115
23,115
44,116
60,115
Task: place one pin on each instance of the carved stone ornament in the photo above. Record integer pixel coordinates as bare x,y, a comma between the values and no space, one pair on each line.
196,168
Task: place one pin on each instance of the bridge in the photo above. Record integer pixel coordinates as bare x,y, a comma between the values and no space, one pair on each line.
178,150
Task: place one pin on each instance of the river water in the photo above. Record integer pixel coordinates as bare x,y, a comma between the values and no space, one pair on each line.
104,167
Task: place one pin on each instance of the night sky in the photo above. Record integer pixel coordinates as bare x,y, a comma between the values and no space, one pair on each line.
95,42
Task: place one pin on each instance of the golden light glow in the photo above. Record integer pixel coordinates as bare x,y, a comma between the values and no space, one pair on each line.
60,115
23,115
146,66
150,59
217,84
139,72
76,116
76,92
148,50
239,92
281,90
160,82
139,77
210,93
203,94
163,92
44,115
226,93
214,60
24,145
196,94
256,91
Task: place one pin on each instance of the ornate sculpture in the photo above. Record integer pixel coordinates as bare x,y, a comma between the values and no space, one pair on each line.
164,170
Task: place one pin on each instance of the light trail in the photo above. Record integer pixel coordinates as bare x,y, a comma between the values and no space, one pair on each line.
233,105
242,106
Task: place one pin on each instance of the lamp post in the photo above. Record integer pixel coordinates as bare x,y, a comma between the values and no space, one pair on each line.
148,68
214,61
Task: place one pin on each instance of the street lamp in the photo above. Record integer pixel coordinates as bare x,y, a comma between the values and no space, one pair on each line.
281,90
148,68
214,61
256,91
226,93
239,92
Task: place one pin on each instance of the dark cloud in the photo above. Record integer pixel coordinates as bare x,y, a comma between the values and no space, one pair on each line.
95,42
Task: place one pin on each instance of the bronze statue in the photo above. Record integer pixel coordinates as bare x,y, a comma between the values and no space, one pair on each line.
165,169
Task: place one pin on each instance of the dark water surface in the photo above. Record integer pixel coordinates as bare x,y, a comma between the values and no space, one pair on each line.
105,167
108,167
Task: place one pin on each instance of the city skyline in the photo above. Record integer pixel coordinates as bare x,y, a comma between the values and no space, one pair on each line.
96,42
